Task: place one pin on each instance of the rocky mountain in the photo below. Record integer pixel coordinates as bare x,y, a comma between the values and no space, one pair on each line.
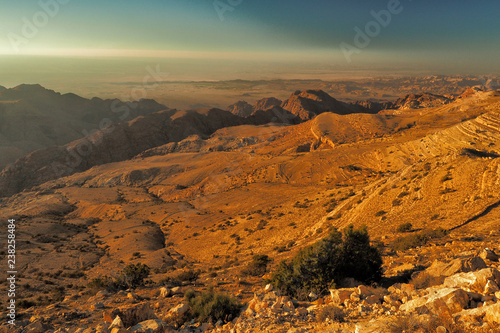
266,103
241,108
198,195
418,101
32,117
244,109
123,141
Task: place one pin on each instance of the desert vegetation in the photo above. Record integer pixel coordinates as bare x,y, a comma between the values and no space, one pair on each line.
328,262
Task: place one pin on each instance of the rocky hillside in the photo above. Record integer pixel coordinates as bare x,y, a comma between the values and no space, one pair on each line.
195,195
33,117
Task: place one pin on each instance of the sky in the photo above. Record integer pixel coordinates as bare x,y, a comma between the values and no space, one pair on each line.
48,40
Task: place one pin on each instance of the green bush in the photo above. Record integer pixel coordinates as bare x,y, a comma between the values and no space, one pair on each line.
405,227
258,265
132,276
212,305
327,262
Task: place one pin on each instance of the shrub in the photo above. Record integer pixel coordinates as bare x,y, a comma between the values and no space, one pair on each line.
321,265
189,275
258,265
446,178
25,304
332,312
380,213
132,276
403,194
212,305
405,227
427,324
100,283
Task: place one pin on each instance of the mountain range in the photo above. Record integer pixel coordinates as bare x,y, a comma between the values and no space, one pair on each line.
205,190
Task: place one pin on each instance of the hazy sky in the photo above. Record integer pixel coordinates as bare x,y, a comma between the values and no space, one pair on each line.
196,39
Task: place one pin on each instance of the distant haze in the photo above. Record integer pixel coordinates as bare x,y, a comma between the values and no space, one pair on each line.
75,45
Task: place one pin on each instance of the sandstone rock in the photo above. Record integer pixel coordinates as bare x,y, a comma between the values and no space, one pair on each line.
470,315
392,300
117,322
135,314
149,326
473,281
439,268
302,312
441,329
491,287
493,313
102,294
488,254
373,299
408,289
437,301
180,309
364,291
176,290
165,292
339,296
119,330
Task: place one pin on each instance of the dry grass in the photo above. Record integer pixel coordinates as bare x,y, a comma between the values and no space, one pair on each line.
424,280
332,312
425,324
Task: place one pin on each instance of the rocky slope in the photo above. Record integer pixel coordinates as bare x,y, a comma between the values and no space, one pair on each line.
208,190
33,117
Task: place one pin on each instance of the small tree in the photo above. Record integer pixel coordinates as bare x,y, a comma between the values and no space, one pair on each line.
132,276
330,260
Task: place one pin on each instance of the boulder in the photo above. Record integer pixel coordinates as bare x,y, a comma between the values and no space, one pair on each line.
179,309
491,287
133,315
442,300
302,312
149,326
165,292
493,313
117,322
488,254
473,281
470,315
441,329
176,290
372,299
268,288
119,330
364,291
461,265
